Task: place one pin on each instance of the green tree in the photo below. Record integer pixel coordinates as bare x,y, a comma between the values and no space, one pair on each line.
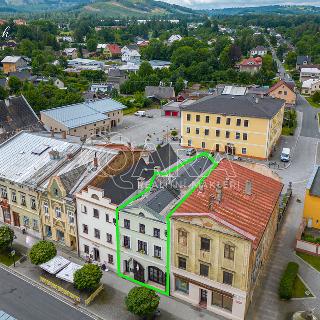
15,84
179,85
42,252
88,277
6,237
3,93
142,301
291,59
92,44
316,97
145,69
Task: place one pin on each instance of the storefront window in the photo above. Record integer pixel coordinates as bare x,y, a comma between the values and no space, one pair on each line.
182,285
222,300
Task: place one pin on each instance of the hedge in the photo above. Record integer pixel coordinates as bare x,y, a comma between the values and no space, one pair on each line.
287,281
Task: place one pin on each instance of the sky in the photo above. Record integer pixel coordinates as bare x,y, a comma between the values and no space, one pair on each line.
216,4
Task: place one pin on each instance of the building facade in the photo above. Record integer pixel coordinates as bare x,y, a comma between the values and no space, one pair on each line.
284,91
13,64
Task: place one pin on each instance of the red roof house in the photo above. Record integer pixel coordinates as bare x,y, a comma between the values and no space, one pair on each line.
114,49
251,65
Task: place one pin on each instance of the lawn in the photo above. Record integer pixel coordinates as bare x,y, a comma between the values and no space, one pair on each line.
299,289
314,104
6,259
312,260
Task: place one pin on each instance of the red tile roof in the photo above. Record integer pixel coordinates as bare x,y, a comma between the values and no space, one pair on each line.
114,48
251,62
245,214
279,84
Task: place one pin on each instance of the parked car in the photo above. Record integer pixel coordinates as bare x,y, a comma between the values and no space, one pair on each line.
285,155
140,113
191,152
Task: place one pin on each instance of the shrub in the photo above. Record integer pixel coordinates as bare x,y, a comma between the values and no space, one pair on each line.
287,280
142,301
6,237
88,277
42,252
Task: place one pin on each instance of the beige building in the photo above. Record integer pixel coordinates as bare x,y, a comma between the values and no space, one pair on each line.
240,125
284,91
310,86
221,239
84,119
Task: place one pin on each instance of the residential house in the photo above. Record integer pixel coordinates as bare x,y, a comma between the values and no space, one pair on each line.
302,61
159,92
116,77
129,47
309,73
174,37
221,238
259,51
159,64
8,44
173,108
310,86
20,22
143,228
2,22
102,87
240,125
86,64
84,119
251,65
14,63
101,47
312,200
283,90
142,43
131,56
68,39
23,75
97,202
113,50
26,161
71,53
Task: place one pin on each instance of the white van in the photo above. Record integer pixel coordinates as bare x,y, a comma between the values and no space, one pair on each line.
285,155
140,113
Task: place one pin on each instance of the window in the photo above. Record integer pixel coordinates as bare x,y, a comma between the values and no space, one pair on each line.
156,275
23,199
126,242
97,233
142,228
182,237
110,258
188,117
244,151
25,221
109,238
238,122
157,252
227,134
237,135
33,203
181,285
127,224
56,192
70,217
156,232
114,221
222,300
197,130
46,209
206,132
204,270
188,129
86,249
85,229
142,247
218,120
228,121
13,196
96,213
205,244
227,277
182,263
35,224
4,193
245,136
229,251
207,119
83,208
107,218
246,123
57,211
189,143
217,133
203,145
198,118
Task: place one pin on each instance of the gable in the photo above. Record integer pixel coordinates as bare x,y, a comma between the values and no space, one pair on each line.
55,188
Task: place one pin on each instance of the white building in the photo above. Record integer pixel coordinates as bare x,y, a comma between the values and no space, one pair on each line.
174,37
259,51
81,63
309,73
132,56
70,52
310,86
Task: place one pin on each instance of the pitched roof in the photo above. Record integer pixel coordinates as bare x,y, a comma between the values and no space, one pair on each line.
249,105
159,92
11,59
314,182
309,83
69,179
114,48
251,62
302,59
247,215
279,84
259,48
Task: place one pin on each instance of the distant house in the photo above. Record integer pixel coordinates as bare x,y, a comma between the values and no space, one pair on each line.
2,22
71,53
101,87
101,47
116,77
283,90
258,51
159,92
64,39
132,56
23,75
174,37
251,65
129,47
113,50
20,22
86,64
143,43
309,73
310,86
14,63
173,108
8,44
159,64
302,61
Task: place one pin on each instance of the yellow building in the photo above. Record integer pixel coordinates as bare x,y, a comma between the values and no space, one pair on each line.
221,239
240,125
311,210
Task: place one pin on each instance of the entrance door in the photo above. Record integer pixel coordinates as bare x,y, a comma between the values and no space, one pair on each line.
138,271
203,297
16,220
217,147
96,254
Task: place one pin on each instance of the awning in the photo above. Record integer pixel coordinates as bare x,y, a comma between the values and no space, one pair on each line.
67,273
55,265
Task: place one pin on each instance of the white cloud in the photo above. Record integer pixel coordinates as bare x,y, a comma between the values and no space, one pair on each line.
215,4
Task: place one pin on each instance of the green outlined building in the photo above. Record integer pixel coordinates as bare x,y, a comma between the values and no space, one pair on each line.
143,222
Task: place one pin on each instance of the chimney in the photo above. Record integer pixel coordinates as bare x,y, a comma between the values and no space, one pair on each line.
63,135
95,160
219,192
248,188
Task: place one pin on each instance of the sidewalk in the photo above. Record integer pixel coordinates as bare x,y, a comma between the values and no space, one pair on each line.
109,304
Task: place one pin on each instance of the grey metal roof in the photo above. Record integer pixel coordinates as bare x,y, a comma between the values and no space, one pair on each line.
314,182
248,106
159,92
302,59
80,114
5,316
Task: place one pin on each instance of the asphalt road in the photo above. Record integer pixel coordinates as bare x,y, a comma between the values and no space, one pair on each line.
26,302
